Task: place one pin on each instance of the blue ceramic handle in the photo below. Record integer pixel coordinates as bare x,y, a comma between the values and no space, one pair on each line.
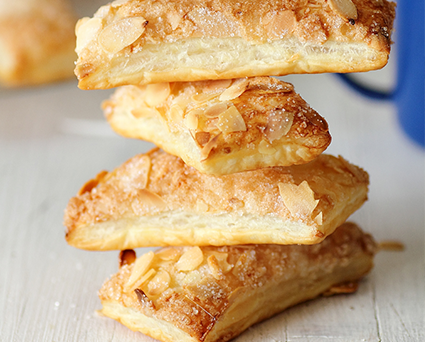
366,90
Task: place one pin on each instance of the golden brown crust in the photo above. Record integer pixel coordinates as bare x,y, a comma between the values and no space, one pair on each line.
303,36
222,127
214,293
156,200
37,42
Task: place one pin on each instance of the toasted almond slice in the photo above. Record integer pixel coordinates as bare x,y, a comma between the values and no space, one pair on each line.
235,90
216,109
298,199
231,121
344,8
152,199
279,122
266,148
157,93
122,33
214,267
141,266
202,138
86,30
206,150
159,283
203,97
190,260
191,119
168,254
217,85
222,260
144,112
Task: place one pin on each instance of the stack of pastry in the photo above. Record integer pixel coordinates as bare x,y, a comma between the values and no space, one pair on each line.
250,213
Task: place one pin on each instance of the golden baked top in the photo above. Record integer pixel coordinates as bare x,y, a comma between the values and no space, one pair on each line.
191,287
224,126
124,29
137,22
156,182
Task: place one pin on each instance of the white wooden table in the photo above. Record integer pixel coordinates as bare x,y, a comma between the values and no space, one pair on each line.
54,138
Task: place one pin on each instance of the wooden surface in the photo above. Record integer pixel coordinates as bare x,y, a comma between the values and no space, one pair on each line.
54,138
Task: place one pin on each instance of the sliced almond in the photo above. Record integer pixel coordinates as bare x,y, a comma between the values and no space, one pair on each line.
266,148
206,150
176,113
231,121
217,85
92,183
122,33
144,112
235,90
141,266
151,199
216,109
159,283
202,138
344,8
214,267
86,31
279,25
279,122
157,93
134,176
299,199
191,119
168,254
190,260
222,260
203,97
174,18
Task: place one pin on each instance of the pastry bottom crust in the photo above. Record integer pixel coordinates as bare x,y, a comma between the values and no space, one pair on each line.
224,58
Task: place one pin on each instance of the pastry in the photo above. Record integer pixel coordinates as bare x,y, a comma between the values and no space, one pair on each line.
139,41
155,199
37,42
206,294
221,127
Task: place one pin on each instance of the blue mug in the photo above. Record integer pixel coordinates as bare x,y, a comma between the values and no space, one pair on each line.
408,94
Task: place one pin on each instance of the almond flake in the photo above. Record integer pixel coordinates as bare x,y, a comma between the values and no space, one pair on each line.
202,97
235,90
144,112
216,109
202,138
344,8
190,260
191,119
176,113
266,148
279,122
156,93
86,30
279,25
122,33
231,121
214,267
141,266
206,150
151,199
92,183
298,199
159,283
222,260
168,254
217,85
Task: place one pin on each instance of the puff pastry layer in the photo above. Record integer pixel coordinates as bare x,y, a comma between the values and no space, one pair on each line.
139,42
222,127
37,41
155,199
215,293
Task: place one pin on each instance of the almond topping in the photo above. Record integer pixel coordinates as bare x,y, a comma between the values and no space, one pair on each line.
144,112
206,150
168,254
217,85
191,119
151,199
121,33
202,138
159,283
279,122
190,260
214,267
202,97
319,218
141,266
235,90
134,176
231,121
156,93
222,261
92,183
344,8
298,199
86,30
176,113
216,109
281,24
174,19
265,148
